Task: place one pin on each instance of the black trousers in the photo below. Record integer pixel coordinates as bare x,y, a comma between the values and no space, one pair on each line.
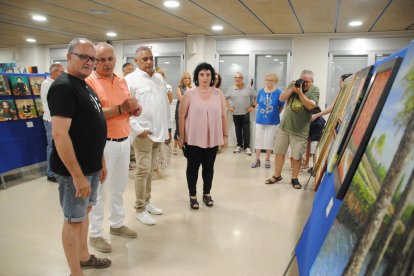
197,156
242,126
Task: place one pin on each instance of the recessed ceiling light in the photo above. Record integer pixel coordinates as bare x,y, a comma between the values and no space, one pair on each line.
355,23
31,40
171,4
268,56
217,27
111,34
98,12
40,18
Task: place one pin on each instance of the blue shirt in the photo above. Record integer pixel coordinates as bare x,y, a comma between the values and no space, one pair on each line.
268,107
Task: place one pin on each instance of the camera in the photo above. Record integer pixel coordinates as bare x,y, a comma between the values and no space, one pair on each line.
299,83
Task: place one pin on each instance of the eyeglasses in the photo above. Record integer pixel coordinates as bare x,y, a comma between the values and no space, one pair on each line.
85,58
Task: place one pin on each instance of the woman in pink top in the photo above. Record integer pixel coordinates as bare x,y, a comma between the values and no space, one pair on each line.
203,127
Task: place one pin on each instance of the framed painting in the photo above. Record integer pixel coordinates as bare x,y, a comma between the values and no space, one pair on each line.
19,85
26,109
351,109
39,107
329,132
376,219
7,110
35,83
4,86
362,128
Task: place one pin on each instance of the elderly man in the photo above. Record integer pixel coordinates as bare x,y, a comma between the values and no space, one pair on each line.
117,106
127,68
302,97
149,130
79,137
240,101
55,70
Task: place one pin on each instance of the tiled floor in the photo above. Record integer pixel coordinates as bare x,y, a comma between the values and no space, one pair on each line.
251,230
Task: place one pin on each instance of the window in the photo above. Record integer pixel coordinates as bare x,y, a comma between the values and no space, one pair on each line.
229,65
270,64
172,67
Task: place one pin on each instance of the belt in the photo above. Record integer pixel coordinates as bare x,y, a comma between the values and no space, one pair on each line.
117,139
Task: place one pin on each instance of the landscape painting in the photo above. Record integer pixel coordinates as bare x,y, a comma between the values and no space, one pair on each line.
374,229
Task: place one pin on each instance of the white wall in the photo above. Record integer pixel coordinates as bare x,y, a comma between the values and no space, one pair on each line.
311,52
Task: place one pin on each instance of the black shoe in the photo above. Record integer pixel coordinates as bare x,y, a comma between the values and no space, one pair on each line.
51,179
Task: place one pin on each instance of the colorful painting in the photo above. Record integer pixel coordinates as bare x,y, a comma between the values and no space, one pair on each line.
7,67
26,109
35,83
39,107
372,234
7,110
372,105
329,132
19,85
4,86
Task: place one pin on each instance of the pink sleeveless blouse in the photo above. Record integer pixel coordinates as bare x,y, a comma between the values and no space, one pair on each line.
203,125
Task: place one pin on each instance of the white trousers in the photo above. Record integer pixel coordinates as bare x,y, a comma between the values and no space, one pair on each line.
265,136
117,163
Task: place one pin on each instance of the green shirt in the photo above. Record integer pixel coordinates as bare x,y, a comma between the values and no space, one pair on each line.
297,118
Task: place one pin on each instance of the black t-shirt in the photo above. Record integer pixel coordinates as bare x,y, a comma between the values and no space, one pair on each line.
316,129
71,97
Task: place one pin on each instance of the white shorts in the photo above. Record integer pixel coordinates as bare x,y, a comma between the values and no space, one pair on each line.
265,136
313,146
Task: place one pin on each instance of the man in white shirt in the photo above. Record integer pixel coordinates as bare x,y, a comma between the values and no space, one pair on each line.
149,130
55,70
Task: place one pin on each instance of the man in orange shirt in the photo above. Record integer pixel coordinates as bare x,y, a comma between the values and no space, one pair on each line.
117,106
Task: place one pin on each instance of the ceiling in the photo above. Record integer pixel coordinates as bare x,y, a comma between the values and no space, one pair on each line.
150,19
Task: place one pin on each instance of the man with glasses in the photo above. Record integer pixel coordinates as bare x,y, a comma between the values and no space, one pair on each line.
117,106
149,130
302,97
55,70
241,101
79,137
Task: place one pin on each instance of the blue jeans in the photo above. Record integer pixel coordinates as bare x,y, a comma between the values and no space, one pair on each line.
48,128
75,208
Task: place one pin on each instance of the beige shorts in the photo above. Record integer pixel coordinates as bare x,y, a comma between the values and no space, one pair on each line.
313,146
297,144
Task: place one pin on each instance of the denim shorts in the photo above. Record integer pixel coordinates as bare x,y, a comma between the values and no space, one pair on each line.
75,208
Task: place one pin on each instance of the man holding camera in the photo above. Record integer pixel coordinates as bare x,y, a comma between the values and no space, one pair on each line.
301,96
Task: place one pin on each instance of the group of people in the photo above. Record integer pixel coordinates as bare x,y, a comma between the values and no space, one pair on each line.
95,116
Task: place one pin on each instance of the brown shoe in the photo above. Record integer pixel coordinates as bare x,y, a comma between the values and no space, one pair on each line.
123,231
100,244
94,262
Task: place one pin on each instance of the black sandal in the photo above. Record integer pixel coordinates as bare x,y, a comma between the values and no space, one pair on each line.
296,183
94,262
273,179
208,201
194,203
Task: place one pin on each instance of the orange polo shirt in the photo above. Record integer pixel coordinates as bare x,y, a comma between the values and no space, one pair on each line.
112,93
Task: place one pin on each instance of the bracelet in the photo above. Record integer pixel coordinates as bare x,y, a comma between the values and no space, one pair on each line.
119,109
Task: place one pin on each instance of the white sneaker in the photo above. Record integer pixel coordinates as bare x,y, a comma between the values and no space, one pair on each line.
152,209
237,150
248,151
145,218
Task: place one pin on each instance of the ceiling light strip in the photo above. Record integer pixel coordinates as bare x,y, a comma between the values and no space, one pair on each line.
338,9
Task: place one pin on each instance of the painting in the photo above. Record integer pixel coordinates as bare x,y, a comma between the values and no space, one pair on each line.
26,109
4,86
372,104
329,132
7,67
372,233
351,109
35,83
39,107
19,85
7,110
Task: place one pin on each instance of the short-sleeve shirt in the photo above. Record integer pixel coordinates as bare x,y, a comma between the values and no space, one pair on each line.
268,107
112,93
240,99
297,118
71,97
